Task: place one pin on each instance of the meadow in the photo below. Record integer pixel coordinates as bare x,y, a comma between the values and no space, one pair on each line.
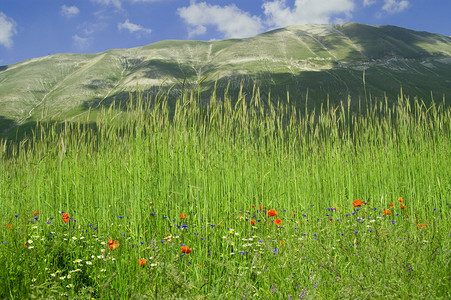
231,200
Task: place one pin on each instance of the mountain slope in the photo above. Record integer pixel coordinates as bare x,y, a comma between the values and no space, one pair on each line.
326,60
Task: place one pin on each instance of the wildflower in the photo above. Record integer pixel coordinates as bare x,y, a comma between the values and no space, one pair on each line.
65,217
142,261
89,263
357,203
386,212
183,216
186,249
400,200
272,213
403,206
252,222
278,222
9,225
422,225
391,205
336,208
36,213
112,244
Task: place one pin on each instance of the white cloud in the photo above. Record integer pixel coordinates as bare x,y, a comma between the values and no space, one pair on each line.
395,6
7,30
89,28
368,2
69,11
306,11
116,3
81,42
133,28
229,19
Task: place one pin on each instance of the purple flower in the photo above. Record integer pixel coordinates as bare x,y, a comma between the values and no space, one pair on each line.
303,293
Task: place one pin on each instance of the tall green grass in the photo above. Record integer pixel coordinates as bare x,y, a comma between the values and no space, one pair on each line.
217,163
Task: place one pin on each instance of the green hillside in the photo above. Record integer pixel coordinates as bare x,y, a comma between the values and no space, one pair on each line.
328,61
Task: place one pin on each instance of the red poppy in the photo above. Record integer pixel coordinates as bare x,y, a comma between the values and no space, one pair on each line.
183,216
400,200
66,217
391,205
36,213
272,213
403,206
9,225
112,244
357,203
186,249
387,212
142,261
278,222
252,222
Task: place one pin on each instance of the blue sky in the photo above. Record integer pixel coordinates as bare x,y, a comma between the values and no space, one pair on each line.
34,28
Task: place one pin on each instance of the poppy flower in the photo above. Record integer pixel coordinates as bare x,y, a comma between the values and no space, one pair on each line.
336,208
186,249
400,200
65,217
9,225
403,206
278,222
391,205
112,244
252,222
142,261
272,213
386,212
183,216
422,225
357,203
36,213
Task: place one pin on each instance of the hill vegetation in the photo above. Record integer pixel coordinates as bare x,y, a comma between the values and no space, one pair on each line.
318,62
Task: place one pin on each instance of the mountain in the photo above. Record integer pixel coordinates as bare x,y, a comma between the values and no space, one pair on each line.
328,61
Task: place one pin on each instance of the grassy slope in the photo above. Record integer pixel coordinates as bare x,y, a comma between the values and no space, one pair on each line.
325,60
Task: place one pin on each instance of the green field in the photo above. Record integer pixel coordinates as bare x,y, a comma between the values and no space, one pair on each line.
83,203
